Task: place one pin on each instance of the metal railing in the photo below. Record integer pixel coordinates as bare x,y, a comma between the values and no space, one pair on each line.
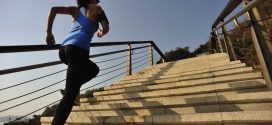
262,45
153,55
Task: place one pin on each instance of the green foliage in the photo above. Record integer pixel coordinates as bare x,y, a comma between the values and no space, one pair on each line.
50,111
184,53
203,48
178,53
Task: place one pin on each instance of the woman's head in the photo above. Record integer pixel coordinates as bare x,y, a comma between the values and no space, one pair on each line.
85,3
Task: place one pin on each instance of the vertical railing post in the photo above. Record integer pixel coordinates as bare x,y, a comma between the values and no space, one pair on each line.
262,44
129,61
218,42
226,47
229,44
163,60
214,42
151,55
236,23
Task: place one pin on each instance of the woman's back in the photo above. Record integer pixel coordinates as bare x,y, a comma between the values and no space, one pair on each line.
82,30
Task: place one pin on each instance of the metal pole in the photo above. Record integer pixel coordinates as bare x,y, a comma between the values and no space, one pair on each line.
262,45
236,23
129,62
226,47
151,55
229,44
219,42
243,11
214,42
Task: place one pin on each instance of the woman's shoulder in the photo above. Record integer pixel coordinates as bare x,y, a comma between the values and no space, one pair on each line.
96,7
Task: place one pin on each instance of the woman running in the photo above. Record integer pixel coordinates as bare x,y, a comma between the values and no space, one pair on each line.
74,50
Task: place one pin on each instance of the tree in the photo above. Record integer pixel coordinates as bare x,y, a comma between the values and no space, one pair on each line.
203,48
178,54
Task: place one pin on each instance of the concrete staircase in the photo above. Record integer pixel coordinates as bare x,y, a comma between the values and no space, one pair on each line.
203,90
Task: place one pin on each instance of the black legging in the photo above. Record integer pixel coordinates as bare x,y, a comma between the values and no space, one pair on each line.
80,70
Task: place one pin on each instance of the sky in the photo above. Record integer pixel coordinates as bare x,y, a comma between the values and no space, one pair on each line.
169,23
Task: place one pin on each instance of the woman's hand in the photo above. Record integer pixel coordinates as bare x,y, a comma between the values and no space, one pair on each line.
50,39
73,11
99,33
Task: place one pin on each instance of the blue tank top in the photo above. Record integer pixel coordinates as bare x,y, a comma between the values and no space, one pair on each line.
82,31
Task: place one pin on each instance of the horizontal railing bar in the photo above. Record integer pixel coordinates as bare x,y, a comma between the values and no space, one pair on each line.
232,4
112,77
115,52
32,92
29,48
140,52
124,66
113,66
22,83
101,44
31,67
14,106
111,59
36,110
248,7
156,57
26,68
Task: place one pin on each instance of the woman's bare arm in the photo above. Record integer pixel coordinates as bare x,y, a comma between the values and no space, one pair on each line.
52,14
59,10
104,22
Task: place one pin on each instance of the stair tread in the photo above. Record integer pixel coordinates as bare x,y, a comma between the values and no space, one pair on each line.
198,118
215,67
172,101
228,77
210,88
202,90
168,82
182,74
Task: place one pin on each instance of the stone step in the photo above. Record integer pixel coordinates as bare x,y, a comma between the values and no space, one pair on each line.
201,90
212,57
227,86
157,75
212,69
239,117
222,99
154,69
216,71
196,66
169,67
240,74
145,111
201,95
180,84
192,65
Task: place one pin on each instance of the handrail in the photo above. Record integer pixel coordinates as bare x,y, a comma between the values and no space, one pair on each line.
248,7
262,45
42,65
130,51
28,48
232,4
